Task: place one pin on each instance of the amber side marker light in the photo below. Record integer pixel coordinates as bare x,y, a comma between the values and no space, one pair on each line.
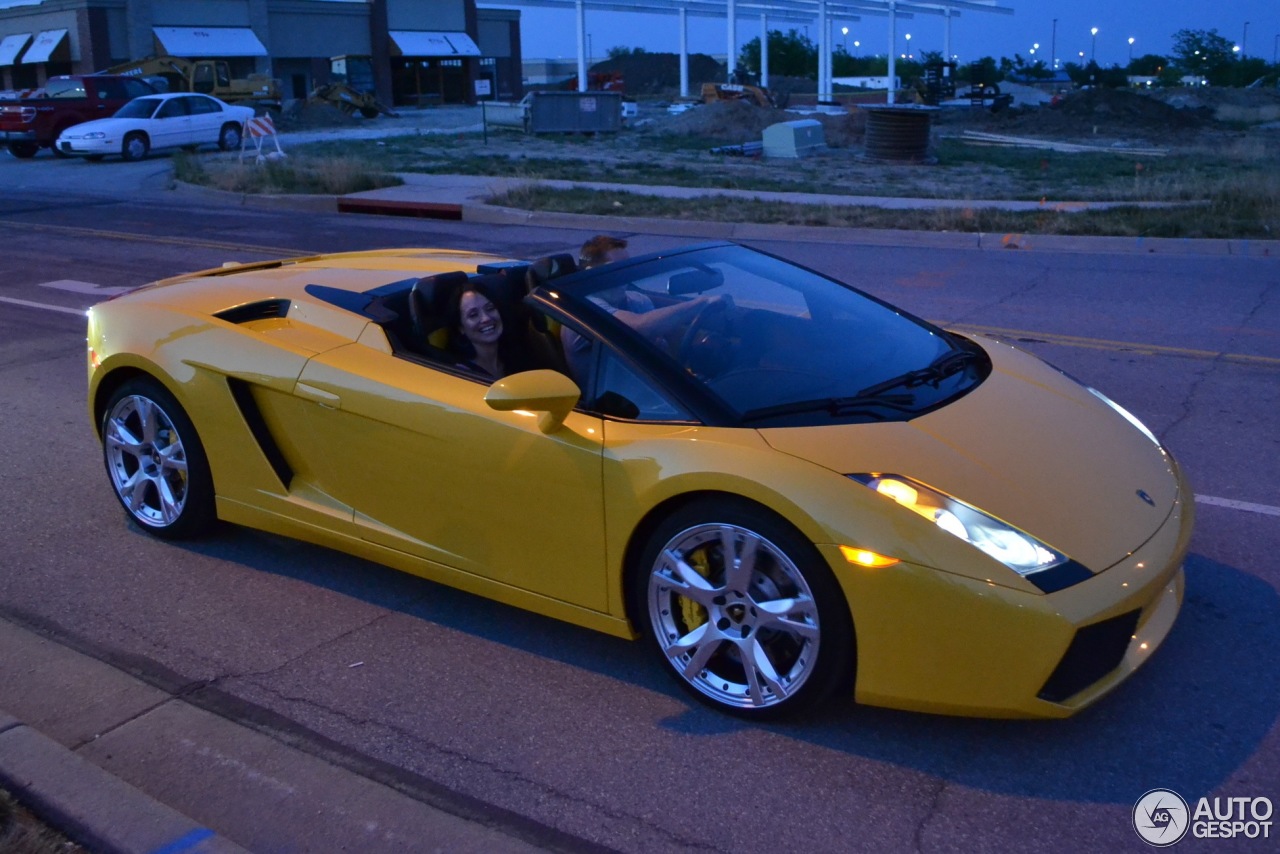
863,557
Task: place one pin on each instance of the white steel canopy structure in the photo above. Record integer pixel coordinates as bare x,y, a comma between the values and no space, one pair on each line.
797,11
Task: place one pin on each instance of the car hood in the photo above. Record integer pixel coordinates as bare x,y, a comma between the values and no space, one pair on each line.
1028,446
108,126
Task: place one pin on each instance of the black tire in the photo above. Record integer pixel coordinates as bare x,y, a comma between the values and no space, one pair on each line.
23,150
135,146
369,112
156,462
801,660
229,137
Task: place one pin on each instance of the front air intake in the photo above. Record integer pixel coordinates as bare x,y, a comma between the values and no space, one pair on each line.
1095,651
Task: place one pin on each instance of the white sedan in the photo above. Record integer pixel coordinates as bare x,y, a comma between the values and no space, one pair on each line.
172,120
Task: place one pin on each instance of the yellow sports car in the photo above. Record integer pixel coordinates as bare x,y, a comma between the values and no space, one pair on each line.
787,487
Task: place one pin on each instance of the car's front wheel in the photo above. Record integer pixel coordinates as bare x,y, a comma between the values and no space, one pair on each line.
743,609
135,146
156,462
229,138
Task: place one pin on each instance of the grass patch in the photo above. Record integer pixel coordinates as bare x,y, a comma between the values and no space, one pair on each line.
1227,214
301,174
22,833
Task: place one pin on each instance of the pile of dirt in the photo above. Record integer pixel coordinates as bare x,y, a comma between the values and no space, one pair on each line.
301,114
659,73
1121,107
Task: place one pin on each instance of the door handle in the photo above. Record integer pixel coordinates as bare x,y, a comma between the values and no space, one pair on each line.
319,395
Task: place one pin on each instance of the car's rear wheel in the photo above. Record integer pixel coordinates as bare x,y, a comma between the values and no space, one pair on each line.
135,146
743,609
156,462
23,150
229,138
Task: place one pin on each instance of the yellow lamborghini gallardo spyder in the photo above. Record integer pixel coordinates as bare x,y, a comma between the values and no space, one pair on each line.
784,486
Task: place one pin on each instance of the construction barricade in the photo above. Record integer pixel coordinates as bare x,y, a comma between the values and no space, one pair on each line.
259,129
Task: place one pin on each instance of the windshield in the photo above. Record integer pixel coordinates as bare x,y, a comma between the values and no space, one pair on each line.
778,344
139,108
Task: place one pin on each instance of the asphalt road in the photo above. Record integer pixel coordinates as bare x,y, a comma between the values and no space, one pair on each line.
585,733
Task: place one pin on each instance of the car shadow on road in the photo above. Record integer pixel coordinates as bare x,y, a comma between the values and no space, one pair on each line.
1188,720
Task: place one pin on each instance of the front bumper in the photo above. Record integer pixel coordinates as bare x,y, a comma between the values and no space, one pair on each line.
18,136
937,642
88,146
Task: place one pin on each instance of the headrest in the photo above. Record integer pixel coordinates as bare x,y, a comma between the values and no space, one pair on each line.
429,303
505,288
550,267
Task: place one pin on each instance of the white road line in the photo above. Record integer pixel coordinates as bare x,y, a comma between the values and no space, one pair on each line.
1264,509
78,287
29,304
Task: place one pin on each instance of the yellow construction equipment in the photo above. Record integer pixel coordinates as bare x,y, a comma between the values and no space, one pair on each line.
208,76
712,92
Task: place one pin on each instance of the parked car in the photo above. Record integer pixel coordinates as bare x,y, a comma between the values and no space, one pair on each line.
33,120
153,122
787,487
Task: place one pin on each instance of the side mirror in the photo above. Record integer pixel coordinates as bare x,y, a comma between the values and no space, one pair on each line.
550,393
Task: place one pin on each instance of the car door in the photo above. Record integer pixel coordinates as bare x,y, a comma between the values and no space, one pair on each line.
171,125
431,470
206,120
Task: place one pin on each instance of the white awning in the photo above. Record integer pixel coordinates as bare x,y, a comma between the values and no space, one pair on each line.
10,46
209,41
44,45
418,43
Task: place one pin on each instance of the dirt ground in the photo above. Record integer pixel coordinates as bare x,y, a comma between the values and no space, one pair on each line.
1232,127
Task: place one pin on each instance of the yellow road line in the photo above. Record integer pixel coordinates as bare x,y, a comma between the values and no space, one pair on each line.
1116,346
272,251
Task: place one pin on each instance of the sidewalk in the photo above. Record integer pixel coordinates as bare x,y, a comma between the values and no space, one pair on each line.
143,763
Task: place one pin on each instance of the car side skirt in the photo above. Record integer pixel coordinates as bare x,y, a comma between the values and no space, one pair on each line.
240,513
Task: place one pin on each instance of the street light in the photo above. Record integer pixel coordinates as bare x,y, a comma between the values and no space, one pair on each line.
1244,40
1131,50
1093,49
845,32
908,44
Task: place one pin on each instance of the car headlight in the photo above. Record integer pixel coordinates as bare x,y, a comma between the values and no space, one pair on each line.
1021,552
93,134
1128,416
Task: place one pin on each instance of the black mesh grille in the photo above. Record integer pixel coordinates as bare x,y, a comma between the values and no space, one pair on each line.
1095,651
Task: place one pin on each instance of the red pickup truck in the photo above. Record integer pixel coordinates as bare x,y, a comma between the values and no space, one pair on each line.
29,124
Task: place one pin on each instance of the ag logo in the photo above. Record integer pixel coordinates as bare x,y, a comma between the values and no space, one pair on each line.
1161,817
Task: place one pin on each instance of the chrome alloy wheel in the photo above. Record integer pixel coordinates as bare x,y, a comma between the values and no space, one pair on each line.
146,460
734,616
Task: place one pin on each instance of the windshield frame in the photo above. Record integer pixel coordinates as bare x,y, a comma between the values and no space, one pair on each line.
570,295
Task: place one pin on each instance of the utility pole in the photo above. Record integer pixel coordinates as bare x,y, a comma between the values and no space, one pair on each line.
1053,46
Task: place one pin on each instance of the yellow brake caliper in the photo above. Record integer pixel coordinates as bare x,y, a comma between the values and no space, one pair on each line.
691,612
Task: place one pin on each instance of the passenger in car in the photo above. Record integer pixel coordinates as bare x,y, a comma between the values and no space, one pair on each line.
484,341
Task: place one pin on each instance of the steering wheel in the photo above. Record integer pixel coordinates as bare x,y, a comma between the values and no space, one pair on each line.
696,337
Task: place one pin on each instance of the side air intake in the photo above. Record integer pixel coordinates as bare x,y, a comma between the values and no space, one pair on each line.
267,309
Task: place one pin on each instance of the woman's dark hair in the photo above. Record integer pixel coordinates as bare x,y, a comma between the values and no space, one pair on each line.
596,250
510,346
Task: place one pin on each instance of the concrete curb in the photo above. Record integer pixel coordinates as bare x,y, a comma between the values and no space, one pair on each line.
92,806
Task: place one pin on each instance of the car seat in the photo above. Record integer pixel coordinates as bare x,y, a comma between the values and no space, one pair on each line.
429,302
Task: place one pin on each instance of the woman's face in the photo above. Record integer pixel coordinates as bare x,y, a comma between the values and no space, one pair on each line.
481,322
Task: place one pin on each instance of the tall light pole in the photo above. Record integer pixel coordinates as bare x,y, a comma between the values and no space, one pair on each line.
1244,40
1053,45
844,31
1093,49
908,45
1131,50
